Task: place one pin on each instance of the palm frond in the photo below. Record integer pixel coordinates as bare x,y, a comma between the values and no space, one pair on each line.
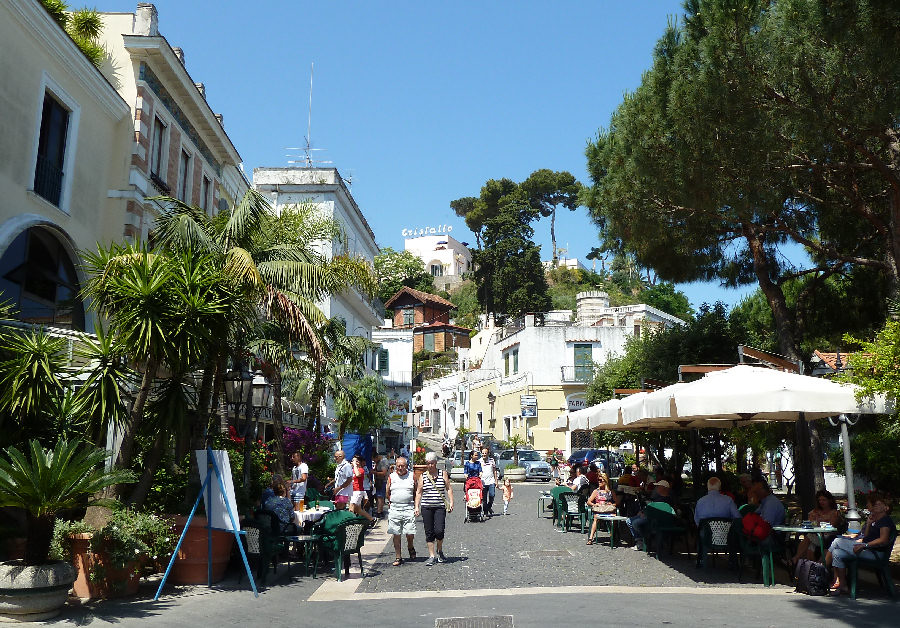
244,220
181,227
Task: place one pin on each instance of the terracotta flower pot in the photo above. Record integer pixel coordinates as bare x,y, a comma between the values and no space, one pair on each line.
418,470
115,582
190,563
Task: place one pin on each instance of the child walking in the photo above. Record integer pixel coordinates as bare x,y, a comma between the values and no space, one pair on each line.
507,495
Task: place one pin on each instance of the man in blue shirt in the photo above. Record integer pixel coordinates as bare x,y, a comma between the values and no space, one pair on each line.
714,504
770,508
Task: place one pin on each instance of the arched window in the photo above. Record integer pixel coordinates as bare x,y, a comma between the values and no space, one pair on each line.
38,278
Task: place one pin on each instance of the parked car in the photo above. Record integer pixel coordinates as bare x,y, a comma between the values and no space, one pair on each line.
530,460
613,463
459,458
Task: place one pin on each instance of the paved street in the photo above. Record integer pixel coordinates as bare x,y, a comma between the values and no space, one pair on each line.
496,571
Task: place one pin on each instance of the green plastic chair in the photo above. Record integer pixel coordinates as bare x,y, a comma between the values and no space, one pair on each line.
663,525
766,550
572,508
747,508
715,534
348,540
881,565
555,492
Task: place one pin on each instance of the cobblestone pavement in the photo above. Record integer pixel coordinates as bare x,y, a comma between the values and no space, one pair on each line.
522,550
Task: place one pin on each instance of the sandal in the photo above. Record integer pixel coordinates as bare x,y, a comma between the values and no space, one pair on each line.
397,562
590,542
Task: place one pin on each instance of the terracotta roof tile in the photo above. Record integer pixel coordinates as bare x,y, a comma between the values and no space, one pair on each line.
424,297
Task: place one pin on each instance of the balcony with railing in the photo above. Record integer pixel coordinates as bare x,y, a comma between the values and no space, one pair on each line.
578,373
397,378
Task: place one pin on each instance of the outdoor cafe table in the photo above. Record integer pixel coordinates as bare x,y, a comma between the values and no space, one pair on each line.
819,531
310,515
611,521
542,500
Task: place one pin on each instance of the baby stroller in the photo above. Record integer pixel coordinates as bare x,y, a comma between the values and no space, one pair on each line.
474,508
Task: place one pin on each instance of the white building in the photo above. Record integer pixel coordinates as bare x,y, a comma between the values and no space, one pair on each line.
324,188
393,361
572,263
547,356
446,258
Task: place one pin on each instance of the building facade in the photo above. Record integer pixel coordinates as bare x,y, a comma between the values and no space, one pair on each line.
428,316
448,260
546,358
65,138
180,148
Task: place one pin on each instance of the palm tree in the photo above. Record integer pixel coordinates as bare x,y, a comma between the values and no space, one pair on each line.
341,364
163,308
276,265
49,482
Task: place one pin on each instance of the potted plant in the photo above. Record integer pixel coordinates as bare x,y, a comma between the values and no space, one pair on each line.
110,561
514,472
36,587
418,458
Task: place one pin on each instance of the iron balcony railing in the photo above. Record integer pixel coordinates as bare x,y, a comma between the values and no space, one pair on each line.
48,180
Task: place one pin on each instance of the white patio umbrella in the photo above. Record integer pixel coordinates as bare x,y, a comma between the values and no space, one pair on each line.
560,423
608,415
750,393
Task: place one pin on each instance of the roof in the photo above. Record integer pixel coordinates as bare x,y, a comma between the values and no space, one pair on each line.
424,297
830,359
439,325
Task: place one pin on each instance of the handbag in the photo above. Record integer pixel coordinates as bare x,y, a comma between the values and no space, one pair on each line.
604,508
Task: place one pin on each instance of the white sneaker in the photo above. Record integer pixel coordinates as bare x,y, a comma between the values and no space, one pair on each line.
637,548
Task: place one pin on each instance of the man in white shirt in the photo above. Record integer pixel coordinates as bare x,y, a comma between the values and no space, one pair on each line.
343,480
489,476
579,481
299,477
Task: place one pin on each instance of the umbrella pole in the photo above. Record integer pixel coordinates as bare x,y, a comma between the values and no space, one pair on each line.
852,513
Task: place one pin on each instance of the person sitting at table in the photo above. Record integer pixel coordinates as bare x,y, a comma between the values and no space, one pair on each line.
875,536
593,474
714,504
825,512
744,494
279,505
602,499
641,480
579,481
662,492
770,507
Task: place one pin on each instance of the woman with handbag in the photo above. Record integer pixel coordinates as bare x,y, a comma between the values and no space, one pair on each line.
601,502
434,499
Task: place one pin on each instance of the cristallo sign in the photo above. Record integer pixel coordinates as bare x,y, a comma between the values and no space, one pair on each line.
425,231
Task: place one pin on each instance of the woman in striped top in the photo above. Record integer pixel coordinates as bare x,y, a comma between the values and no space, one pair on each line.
434,499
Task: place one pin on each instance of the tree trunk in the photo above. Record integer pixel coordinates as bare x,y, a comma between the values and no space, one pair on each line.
804,478
40,534
126,450
139,495
277,424
553,236
698,477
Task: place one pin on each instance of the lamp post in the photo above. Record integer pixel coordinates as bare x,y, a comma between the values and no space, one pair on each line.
844,421
250,392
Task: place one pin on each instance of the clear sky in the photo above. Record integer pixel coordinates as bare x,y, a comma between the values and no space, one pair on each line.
421,102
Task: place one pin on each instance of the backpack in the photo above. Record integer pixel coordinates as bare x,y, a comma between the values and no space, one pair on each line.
755,527
812,577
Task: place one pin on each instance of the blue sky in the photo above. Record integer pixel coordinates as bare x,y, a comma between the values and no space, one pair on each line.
421,102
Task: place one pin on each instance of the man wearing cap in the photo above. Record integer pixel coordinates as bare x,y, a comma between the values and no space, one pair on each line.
639,523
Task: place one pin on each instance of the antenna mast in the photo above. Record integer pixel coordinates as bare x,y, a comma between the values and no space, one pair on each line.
309,118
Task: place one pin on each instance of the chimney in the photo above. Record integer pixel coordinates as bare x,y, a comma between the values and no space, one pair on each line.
221,119
201,88
179,53
146,20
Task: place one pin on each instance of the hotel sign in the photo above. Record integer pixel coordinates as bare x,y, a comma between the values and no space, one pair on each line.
576,401
425,231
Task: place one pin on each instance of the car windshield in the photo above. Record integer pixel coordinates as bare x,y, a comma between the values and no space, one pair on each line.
530,456
579,453
507,455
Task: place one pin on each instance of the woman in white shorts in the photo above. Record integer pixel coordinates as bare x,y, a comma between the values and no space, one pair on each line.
359,495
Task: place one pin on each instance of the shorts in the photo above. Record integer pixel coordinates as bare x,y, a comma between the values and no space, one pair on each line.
401,521
358,498
380,491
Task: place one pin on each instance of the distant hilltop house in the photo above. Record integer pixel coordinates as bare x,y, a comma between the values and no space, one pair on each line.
572,263
446,258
